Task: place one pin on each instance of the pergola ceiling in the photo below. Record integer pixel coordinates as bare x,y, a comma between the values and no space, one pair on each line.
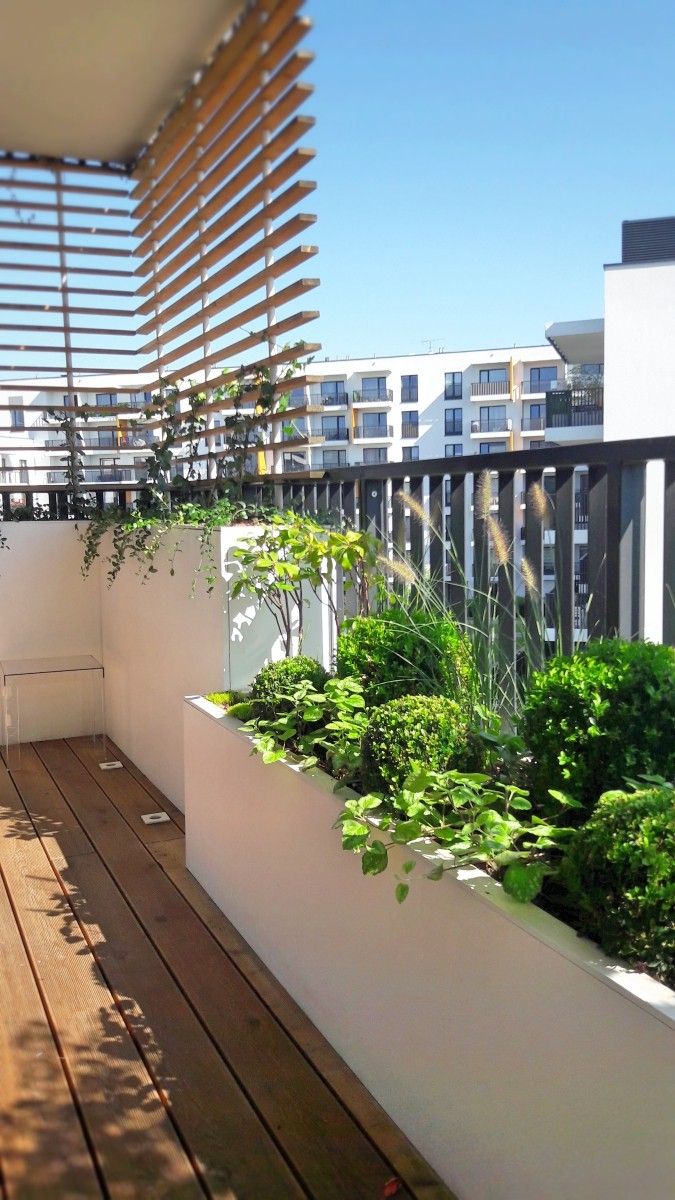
94,78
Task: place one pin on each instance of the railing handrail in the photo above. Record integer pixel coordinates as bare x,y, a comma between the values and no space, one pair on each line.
491,388
494,425
383,395
374,431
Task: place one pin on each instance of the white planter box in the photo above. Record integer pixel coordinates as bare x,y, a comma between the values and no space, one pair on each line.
520,1060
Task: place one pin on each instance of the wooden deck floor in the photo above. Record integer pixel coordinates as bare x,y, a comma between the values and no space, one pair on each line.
144,1050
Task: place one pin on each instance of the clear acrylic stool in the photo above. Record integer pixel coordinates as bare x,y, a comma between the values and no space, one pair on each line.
15,674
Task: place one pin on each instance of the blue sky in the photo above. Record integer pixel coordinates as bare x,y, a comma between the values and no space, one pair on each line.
476,161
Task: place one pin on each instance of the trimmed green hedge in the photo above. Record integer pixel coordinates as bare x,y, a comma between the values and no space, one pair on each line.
619,872
273,683
430,730
600,716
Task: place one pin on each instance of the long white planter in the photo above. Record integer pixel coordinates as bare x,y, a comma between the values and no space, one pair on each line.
521,1061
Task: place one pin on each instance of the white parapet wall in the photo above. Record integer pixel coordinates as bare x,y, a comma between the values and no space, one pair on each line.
519,1060
47,610
159,637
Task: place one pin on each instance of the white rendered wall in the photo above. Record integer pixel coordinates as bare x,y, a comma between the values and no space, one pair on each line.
639,332
517,1071
48,610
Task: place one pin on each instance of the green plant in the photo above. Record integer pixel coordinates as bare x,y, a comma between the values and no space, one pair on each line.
415,729
320,726
469,818
274,685
226,699
402,651
619,872
242,710
600,716
293,555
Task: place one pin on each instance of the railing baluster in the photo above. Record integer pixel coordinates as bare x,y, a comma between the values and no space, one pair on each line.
564,555
417,527
506,591
613,519
398,539
436,543
669,554
534,553
457,589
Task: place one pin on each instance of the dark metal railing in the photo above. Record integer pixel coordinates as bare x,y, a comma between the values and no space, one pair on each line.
334,433
575,417
382,396
618,575
496,425
532,424
613,510
374,431
316,397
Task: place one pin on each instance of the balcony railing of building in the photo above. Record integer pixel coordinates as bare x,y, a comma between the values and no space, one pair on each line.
382,396
336,398
494,425
533,424
410,429
537,387
616,575
453,428
574,407
334,433
376,432
498,388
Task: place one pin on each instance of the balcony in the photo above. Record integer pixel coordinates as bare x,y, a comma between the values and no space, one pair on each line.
539,387
500,388
578,417
340,399
382,396
334,433
375,433
499,426
532,425
410,430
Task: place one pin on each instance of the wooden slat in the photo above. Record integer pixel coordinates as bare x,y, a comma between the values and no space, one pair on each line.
42,1144
134,1140
269,334
235,1155
327,1150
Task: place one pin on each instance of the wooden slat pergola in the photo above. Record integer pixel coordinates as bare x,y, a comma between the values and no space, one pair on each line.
171,249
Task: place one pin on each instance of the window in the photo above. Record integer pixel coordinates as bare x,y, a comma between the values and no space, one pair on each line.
333,391
541,378
595,370
410,453
453,422
454,450
106,437
374,421
335,428
18,419
453,385
294,429
335,458
492,418
409,389
295,462
105,399
536,443
537,412
23,470
490,447
410,424
375,454
493,375
297,395
549,560
374,385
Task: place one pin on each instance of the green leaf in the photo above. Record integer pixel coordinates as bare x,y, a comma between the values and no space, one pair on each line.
402,890
436,872
406,831
523,880
375,859
408,867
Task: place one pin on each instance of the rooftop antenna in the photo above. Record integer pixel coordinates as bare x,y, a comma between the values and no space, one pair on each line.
430,343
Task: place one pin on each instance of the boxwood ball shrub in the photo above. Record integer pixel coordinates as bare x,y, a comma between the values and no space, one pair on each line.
620,874
402,652
600,716
431,730
274,681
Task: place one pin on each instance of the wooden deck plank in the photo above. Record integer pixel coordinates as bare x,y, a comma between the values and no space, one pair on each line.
43,1150
162,800
326,1147
129,796
407,1163
235,1154
136,1146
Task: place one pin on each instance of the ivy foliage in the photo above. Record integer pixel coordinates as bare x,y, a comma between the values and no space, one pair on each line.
462,819
598,717
619,872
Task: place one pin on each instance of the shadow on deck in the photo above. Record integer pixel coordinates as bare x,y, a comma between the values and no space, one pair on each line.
145,1051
